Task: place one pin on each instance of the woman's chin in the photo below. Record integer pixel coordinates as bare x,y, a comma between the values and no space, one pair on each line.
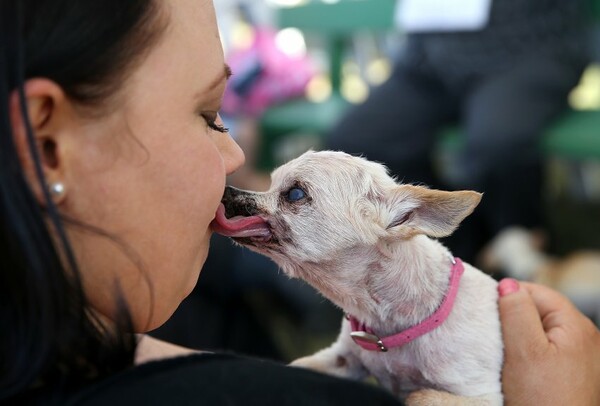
195,272
161,316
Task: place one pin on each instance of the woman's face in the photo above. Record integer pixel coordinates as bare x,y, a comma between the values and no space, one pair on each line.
152,173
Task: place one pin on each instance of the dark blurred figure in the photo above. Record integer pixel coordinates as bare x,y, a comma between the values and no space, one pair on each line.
502,84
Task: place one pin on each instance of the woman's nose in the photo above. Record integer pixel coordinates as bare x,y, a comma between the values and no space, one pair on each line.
233,156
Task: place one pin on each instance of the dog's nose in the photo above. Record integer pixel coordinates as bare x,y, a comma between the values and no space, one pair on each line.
230,193
238,202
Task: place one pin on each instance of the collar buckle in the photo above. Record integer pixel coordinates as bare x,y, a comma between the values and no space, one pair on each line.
364,337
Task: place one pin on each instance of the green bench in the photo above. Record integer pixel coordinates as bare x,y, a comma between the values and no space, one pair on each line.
289,128
575,135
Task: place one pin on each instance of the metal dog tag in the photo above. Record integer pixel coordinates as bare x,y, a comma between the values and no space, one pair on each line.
368,338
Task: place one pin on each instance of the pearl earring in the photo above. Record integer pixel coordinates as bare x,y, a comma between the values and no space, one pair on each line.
57,190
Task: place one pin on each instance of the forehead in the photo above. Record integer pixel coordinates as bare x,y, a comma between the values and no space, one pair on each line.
188,57
190,18
194,35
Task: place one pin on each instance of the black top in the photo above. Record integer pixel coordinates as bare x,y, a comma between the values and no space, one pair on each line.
218,379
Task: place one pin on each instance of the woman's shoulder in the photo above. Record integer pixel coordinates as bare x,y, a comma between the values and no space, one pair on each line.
217,379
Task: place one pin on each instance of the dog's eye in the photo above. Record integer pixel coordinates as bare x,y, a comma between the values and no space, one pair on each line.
295,194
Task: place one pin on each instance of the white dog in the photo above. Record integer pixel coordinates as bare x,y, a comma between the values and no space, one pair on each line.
420,321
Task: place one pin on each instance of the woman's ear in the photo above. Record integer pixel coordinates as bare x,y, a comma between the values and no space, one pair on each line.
44,101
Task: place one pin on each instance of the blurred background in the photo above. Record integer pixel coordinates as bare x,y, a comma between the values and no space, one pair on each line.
500,96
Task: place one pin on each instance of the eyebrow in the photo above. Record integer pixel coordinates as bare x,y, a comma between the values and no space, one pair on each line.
225,75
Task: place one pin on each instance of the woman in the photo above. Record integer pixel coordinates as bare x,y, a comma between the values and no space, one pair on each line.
113,162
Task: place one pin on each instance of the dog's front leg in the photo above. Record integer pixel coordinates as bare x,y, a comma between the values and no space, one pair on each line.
335,360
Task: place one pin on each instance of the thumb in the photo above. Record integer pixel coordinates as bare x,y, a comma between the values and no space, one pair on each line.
522,328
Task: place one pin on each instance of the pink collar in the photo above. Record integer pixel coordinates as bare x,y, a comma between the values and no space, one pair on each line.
365,337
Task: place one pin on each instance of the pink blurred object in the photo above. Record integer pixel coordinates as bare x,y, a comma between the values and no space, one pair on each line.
264,75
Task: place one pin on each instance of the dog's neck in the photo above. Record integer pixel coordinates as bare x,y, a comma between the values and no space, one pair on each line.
390,287
414,279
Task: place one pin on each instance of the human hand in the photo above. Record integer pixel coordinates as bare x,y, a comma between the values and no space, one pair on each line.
552,351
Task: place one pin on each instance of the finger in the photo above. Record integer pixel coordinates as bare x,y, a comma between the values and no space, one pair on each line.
559,315
550,302
522,328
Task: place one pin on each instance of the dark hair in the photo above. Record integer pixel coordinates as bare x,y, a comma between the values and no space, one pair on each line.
48,337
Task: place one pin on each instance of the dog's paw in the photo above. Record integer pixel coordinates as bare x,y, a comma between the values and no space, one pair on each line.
431,397
313,363
323,365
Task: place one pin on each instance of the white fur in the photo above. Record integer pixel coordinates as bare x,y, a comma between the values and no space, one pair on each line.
364,241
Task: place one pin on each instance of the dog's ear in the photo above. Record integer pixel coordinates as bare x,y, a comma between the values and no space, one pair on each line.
436,213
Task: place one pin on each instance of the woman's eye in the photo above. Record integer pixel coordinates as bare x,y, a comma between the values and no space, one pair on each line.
295,194
211,120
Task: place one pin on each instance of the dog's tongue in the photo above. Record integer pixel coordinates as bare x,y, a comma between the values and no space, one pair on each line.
239,226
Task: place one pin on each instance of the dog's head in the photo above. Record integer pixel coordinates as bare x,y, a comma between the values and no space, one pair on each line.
324,204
